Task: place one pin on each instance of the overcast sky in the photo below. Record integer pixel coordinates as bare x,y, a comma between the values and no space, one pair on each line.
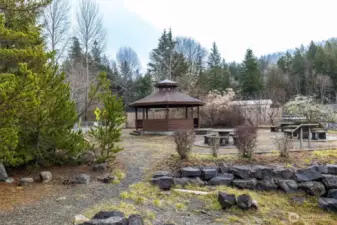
265,26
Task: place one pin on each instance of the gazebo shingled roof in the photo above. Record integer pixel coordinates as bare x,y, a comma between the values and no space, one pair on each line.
167,95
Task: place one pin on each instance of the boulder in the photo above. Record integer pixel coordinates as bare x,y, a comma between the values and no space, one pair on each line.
160,174
330,181
88,157
164,183
266,185
223,168
190,172
188,181
329,204
3,173
226,200
106,178
319,168
46,176
223,179
107,214
100,167
208,173
109,221
9,180
263,172
243,172
81,179
331,169
244,201
283,173
26,180
332,193
135,220
245,183
288,186
307,174
313,188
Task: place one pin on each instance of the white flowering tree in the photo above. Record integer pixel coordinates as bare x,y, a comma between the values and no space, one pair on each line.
308,107
217,108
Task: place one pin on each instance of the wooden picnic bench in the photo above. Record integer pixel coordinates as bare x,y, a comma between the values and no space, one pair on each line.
318,133
224,140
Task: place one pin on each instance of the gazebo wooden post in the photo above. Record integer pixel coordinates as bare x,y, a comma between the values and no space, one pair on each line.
198,109
136,112
147,113
192,113
167,112
143,115
186,112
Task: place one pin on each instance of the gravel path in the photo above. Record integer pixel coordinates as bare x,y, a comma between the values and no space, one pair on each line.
52,211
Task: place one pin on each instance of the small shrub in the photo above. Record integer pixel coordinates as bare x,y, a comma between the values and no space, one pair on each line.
184,140
283,144
246,138
215,145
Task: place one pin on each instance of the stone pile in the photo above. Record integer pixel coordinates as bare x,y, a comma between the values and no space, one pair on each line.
316,180
114,218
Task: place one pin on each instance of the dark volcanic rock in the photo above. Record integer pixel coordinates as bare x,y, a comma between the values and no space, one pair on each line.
208,173
188,181
283,173
319,168
244,201
81,179
245,183
307,174
330,181
288,186
135,220
160,174
106,178
314,188
226,200
164,183
190,172
107,214
331,169
223,168
100,167
332,193
224,179
263,172
329,204
243,172
266,185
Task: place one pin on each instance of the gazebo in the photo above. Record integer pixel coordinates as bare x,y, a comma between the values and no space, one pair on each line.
165,97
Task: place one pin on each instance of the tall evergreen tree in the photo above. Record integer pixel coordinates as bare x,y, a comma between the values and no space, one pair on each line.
34,98
216,78
165,61
250,79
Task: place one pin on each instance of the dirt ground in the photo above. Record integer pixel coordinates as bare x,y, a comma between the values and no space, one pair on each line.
55,203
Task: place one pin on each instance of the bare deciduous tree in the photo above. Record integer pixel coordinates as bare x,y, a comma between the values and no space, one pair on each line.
56,22
127,57
90,30
323,83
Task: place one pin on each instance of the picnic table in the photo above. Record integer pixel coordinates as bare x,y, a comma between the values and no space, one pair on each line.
223,132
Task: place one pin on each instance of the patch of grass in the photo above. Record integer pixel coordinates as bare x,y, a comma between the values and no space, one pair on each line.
119,176
181,206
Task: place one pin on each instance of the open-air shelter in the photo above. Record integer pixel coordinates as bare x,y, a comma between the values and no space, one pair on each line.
166,97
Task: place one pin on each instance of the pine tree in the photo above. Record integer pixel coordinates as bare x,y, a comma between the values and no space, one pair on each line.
165,62
75,51
215,79
250,79
34,98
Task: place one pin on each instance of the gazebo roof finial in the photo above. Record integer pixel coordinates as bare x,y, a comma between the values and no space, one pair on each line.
166,83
